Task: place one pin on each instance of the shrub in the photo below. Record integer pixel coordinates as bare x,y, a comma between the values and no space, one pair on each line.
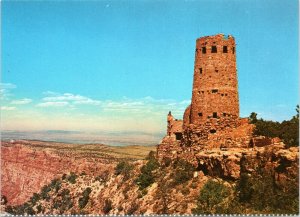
64,176
72,178
85,198
183,172
65,192
39,208
107,206
261,193
36,197
211,197
132,209
3,200
185,191
146,178
44,193
288,131
123,168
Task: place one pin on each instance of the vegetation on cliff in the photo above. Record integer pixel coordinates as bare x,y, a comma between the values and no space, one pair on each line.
169,187
288,130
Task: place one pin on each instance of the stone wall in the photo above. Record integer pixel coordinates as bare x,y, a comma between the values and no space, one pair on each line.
215,92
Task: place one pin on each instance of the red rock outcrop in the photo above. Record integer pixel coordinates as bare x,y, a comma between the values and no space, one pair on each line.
25,169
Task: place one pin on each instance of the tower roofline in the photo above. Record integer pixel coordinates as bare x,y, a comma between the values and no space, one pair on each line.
215,36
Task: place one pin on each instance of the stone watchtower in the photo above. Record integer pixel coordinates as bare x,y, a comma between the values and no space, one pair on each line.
215,101
212,119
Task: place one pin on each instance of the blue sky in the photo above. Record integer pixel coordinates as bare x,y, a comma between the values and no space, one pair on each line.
122,65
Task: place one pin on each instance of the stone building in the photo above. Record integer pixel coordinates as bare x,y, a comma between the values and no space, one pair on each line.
212,119
174,127
215,85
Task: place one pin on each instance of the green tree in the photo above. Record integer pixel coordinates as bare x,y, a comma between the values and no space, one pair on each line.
211,197
146,178
287,130
124,168
183,171
253,118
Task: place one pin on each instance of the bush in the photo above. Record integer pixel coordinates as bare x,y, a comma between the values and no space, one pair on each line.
132,209
39,208
65,192
85,198
146,178
211,197
185,191
261,193
64,176
288,131
123,168
72,178
36,197
183,172
107,206
3,200
44,194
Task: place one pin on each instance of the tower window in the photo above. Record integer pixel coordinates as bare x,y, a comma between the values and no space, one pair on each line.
212,131
224,49
233,50
200,114
200,70
203,50
215,115
214,91
178,136
224,114
214,49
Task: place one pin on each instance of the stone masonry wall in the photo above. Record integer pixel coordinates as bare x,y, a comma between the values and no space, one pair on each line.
215,86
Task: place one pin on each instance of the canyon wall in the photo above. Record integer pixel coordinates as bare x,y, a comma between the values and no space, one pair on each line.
25,169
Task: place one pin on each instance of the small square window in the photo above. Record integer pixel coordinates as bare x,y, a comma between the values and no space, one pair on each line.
224,49
224,114
200,114
213,131
203,50
215,115
214,49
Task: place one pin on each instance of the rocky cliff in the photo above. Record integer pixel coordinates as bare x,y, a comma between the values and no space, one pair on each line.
54,180
26,166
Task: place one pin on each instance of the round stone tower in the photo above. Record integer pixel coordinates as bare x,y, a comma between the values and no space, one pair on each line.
215,86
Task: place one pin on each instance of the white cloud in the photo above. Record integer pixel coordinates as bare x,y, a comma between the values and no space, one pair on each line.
21,101
8,108
145,106
5,90
72,98
52,104
7,86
